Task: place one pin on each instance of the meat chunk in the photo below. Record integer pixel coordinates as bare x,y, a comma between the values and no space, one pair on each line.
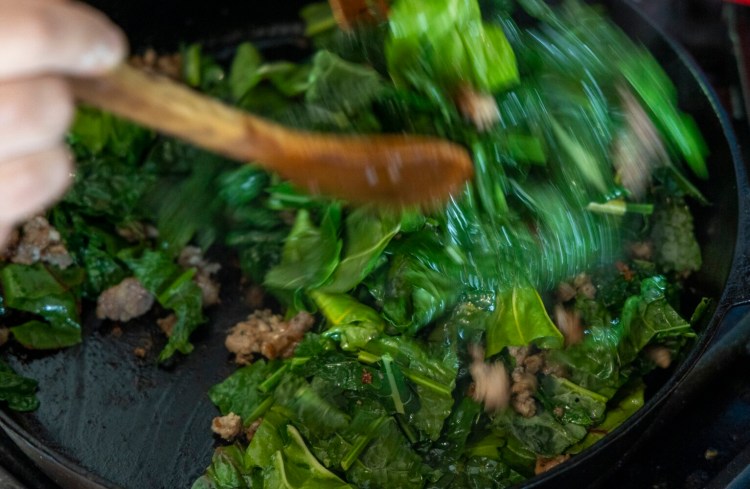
642,250
169,65
568,321
522,392
491,383
479,108
639,148
523,379
167,324
37,242
124,301
660,355
228,427
192,257
268,334
250,430
543,464
4,335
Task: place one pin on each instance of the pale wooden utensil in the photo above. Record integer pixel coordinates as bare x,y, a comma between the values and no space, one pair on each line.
384,169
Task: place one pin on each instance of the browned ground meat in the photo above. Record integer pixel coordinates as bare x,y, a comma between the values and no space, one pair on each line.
228,427
543,464
37,242
637,149
268,334
523,380
164,64
522,392
192,257
250,430
660,355
255,296
642,250
491,383
584,286
568,321
479,108
167,324
137,231
124,301
565,292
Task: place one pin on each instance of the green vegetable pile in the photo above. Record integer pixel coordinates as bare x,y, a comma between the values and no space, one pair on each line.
380,393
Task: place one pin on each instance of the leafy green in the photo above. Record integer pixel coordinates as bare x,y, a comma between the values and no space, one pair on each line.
521,319
174,289
339,85
239,393
649,317
420,283
243,74
388,461
542,433
228,470
658,94
353,324
18,392
37,290
673,233
571,403
310,254
446,42
367,235
624,406
294,467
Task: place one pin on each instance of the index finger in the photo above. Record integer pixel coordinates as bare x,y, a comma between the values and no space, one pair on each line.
38,36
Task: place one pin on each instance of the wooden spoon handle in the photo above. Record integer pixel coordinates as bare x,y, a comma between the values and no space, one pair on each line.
393,169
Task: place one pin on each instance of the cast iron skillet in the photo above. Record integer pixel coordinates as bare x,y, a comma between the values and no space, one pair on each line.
109,420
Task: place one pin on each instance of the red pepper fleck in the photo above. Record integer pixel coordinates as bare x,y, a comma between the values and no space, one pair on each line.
625,270
366,377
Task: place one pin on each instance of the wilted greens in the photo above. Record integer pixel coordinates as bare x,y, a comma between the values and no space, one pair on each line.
552,263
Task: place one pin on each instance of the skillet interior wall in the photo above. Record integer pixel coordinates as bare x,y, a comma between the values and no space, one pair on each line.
165,24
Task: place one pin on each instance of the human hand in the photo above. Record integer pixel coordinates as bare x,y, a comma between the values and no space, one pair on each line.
42,41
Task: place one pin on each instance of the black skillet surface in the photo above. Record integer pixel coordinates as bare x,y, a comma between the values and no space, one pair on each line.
109,419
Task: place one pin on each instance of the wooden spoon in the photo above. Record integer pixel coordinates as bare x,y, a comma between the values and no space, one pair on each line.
384,169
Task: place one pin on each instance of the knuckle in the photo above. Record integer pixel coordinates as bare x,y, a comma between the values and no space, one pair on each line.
43,105
40,28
